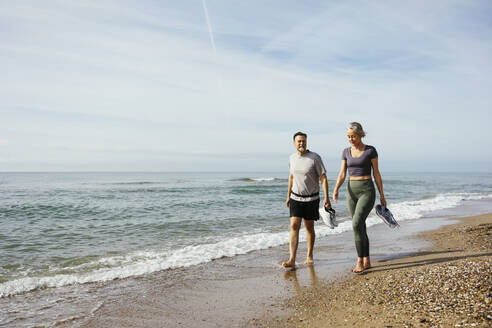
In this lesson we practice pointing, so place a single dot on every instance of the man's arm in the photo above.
(324, 184)
(289, 189)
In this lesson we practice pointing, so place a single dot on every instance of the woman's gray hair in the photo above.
(357, 127)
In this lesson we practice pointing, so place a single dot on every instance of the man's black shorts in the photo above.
(306, 210)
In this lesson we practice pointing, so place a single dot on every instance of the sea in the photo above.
(59, 230)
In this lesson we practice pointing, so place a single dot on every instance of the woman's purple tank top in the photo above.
(360, 166)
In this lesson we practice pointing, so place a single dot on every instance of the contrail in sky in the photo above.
(219, 88)
(209, 26)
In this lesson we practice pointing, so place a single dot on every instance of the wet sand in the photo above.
(447, 285)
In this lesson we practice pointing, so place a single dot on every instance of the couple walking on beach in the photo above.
(306, 172)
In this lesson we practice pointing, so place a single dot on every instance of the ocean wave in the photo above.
(146, 262)
(256, 189)
(155, 189)
(244, 191)
(410, 210)
(266, 179)
(130, 183)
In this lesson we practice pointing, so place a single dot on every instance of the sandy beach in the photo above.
(446, 285)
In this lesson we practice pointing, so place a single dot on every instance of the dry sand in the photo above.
(447, 285)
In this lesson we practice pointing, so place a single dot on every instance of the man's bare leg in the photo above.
(295, 225)
(310, 238)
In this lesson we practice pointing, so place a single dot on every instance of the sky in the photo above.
(216, 85)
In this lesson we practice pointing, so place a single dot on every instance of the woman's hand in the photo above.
(341, 178)
(335, 195)
(382, 200)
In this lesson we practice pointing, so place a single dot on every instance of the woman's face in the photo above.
(353, 137)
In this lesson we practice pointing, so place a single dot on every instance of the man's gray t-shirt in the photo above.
(306, 170)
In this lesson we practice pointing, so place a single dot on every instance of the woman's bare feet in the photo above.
(366, 263)
(359, 268)
(309, 261)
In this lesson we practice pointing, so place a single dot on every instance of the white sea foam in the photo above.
(145, 262)
(410, 210)
(262, 179)
(140, 263)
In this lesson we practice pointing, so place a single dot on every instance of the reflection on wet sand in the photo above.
(292, 276)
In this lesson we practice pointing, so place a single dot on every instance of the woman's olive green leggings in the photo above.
(360, 198)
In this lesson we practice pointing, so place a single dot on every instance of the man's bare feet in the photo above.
(289, 264)
(309, 261)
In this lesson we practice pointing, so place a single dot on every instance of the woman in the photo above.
(359, 159)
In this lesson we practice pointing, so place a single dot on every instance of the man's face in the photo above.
(301, 144)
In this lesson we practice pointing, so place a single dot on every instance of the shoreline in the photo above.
(241, 291)
(230, 291)
(446, 284)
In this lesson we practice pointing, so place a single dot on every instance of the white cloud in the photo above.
(114, 82)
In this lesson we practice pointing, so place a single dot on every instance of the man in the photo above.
(306, 170)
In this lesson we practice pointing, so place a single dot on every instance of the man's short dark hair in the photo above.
(299, 134)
